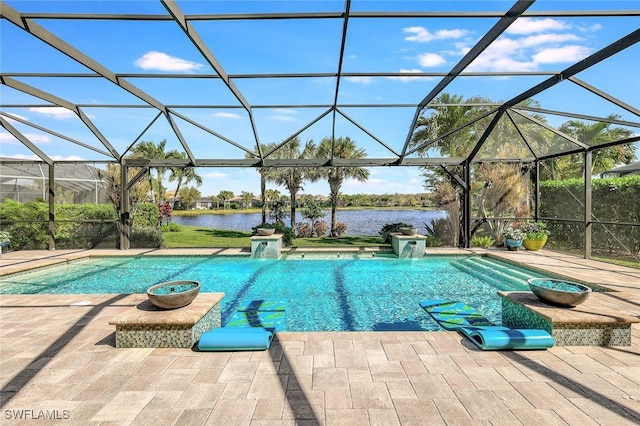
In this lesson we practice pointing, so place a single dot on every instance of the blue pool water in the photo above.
(351, 292)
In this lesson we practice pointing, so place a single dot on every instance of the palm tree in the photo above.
(292, 178)
(225, 196)
(184, 175)
(264, 177)
(149, 150)
(272, 195)
(246, 199)
(598, 133)
(340, 148)
(444, 119)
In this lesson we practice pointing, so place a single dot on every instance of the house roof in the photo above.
(627, 169)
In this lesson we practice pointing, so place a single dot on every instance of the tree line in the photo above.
(499, 189)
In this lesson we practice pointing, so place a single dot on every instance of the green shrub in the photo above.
(72, 233)
(432, 241)
(287, 233)
(170, 227)
(26, 223)
(146, 216)
(146, 238)
(613, 200)
(482, 241)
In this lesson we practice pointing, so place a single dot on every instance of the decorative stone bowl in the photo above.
(559, 292)
(173, 294)
(265, 231)
(409, 231)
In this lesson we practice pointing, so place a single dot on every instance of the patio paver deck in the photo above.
(59, 359)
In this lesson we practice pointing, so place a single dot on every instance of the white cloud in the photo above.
(531, 25)
(163, 62)
(561, 54)
(215, 175)
(34, 157)
(529, 52)
(33, 137)
(285, 111)
(8, 138)
(590, 29)
(409, 77)
(423, 35)
(430, 60)
(360, 80)
(541, 39)
(226, 115)
(68, 158)
(58, 113)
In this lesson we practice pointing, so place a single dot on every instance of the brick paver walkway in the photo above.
(59, 359)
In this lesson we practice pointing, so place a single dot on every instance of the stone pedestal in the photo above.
(266, 246)
(592, 323)
(408, 246)
(146, 326)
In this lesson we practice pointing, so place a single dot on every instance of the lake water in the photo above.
(359, 222)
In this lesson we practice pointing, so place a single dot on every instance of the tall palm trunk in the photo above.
(263, 192)
(293, 209)
(335, 181)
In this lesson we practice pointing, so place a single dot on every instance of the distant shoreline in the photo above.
(254, 211)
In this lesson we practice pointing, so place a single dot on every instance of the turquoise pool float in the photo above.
(251, 328)
(451, 315)
(458, 316)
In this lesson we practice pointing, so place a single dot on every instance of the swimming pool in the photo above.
(352, 292)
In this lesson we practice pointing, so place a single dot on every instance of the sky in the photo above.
(403, 45)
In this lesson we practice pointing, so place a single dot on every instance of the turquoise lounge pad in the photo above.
(497, 338)
(270, 320)
(262, 305)
(452, 315)
(235, 339)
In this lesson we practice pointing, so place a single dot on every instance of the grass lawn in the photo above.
(196, 237)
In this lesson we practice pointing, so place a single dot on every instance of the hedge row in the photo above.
(613, 200)
(27, 225)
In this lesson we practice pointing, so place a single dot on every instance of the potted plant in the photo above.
(536, 235)
(409, 230)
(513, 237)
(265, 229)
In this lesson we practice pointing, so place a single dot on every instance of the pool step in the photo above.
(500, 284)
(509, 270)
(498, 275)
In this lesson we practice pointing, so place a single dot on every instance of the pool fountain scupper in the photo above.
(408, 246)
(266, 247)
